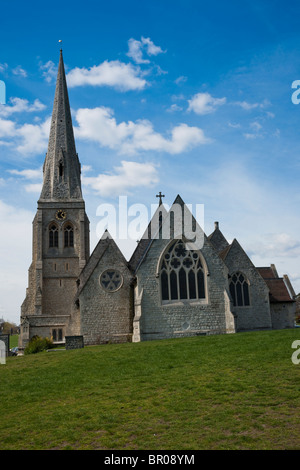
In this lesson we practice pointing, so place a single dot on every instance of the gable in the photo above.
(105, 244)
(164, 226)
(217, 239)
(236, 258)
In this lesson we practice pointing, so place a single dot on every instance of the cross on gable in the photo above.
(160, 197)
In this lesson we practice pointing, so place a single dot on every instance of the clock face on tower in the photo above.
(61, 214)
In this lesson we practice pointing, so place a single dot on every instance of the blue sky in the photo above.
(188, 97)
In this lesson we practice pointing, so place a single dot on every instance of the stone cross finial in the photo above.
(160, 196)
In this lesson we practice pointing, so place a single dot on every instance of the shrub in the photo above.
(38, 344)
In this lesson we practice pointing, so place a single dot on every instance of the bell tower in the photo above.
(60, 232)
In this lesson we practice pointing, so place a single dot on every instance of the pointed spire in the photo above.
(61, 167)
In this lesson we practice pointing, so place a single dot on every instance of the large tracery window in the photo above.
(239, 290)
(181, 274)
(68, 236)
(53, 236)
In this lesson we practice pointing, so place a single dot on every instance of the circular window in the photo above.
(111, 280)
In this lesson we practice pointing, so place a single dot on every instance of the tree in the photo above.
(8, 328)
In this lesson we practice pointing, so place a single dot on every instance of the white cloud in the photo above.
(181, 79)
(250, 136)
(255, 125)
(278, 245)
(34, 137)
(27, 138)
(248, 106)
(174, 107)
(204, 103)
(115, 74)
(255, 133)
(15, 234)
(29, 173)
(7, 128)
(100, 125)
(137, 48)
(3, 67)
(34, 188)
(125, 177)
(234, 125)
(19, 105)
(49, 70)
(19, 71)
(135, 51)
(152, 49)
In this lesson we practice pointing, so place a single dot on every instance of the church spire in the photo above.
(61, 167)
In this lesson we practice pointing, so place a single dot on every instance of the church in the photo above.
(169, 288)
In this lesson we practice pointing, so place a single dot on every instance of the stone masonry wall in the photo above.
(257, 315)
(283, 315)
(182, 318)
(107, 316)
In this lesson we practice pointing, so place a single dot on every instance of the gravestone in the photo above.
(74, 342)
(5, 339)
(2, 352)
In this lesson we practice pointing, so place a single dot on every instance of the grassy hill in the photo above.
(237, 391)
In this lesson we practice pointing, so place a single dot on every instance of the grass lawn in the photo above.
(13, 341)
(238, 391)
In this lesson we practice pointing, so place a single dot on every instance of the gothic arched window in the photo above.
(68, 236)
(239, 290)
(182, 274)
(53, 236)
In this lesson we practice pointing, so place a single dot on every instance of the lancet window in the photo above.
(68, 236)
(53, 236)
(239, 290)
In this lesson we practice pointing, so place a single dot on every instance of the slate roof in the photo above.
(278, 289)
(217, 239)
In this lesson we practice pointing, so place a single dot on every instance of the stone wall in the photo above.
(257, 314)
(183, 318)
(54, 271)
(283, 315)
(107, 316)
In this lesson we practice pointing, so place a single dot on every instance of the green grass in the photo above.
(13, 341)
(237, 391)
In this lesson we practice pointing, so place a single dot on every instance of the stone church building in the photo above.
(167, 289)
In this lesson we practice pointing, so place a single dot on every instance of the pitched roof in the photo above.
(157, 222)
(217, 239)
(277, 286)
(278, 290)
(268, 272)
(146, 240)
(224, 252)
